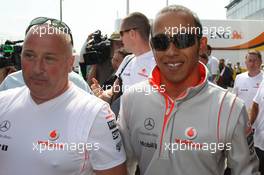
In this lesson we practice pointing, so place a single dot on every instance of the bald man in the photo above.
(52, 125)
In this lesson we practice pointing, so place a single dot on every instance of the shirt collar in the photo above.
(155, 80)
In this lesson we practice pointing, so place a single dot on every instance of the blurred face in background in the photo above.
(117, 60)
(253, 63)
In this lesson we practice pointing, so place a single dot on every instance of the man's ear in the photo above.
(133, 33)
(70, 62)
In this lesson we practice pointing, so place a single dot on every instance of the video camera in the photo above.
(97, 50)
(10, 54)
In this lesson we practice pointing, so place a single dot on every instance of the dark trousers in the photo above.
(260, 154)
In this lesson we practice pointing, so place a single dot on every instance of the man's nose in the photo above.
(39, 66)
(172, 50)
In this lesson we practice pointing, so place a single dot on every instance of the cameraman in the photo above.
(102, 70)
(95, 71)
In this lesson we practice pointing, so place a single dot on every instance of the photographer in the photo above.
(95, 71)
(96, 56)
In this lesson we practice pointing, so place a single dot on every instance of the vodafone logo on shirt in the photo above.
(143, 72)
(190, 133)
(53, 135)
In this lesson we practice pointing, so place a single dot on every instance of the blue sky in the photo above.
(86, 16)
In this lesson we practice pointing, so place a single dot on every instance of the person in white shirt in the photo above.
(213, 63)
(257, 119)
(134, 31)
(15, 79)
(247, 83)
(50, 126)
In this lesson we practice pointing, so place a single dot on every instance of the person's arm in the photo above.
(123, 126)
(91, 74)
(107, 95)
(254, 112)
(109, 157)
(242, 158)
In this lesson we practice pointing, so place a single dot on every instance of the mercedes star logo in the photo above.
(149, 124)
(5, 125)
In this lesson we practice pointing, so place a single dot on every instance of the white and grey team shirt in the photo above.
(72, 134)
(207, 118)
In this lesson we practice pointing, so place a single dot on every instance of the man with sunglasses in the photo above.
(50, 126)
(185, 125)
(134, 31)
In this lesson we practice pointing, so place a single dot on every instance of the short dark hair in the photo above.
(178, 8)
(254, 52)
(139, 22)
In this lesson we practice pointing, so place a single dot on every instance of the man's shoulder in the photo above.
(13, 92)
(128, 57)
(14, 80)
(221, 94)
(243, 74)
(16, 75)
(85, 98)
(124, 63)
(11, 96)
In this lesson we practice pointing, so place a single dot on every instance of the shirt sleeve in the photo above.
(123, 126)
(105, 135)
(242, 158)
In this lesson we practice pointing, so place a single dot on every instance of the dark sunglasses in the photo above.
(124, 31)
(54, 22)
(161, 42)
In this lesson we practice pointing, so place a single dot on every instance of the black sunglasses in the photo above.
(53, 22)
(161, 42)
(124, 31)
